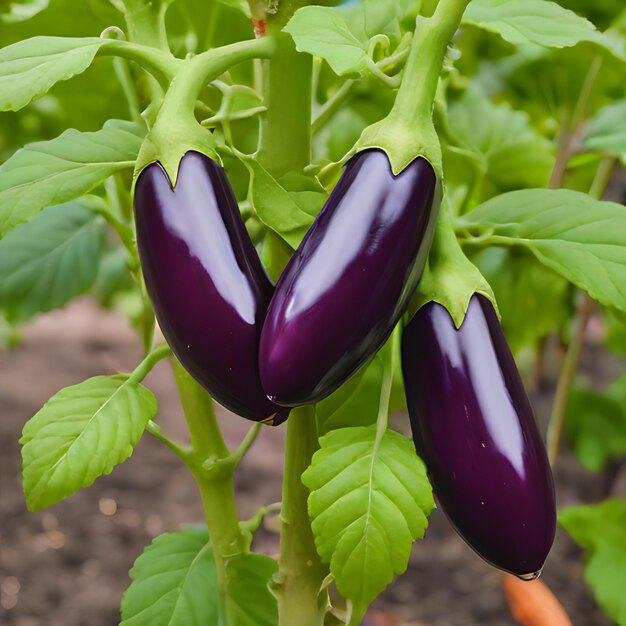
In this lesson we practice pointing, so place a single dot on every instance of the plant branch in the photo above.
(128, 87)
(566, 378)
(182, 452)
(145, 367)
(568, 135)
(602, 178)
(237, 456)
(574, 350)
(162, 65)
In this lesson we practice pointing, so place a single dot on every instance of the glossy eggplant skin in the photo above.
(350, 279)
(206, 282)
(474, 428)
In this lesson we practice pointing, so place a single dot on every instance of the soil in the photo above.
(67, 565)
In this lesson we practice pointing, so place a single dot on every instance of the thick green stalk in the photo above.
(300, 602)
(214, 479)
(286, 127)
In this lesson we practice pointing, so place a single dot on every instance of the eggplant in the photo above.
(474, 427)
(206, 282)
(350, 280)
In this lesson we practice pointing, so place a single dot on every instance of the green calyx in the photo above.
(401, 145)
(168, 141)
(449, 278)
(176, 130)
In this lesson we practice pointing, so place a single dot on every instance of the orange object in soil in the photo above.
(533, 604)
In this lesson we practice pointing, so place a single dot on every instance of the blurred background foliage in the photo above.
(511, 116)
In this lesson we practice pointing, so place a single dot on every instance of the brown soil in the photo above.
(67, 566)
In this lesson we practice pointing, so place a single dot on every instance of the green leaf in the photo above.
(52, 172)
(29, 68)
(525, 290)
(601, 12)
(324, 32)
(615, 323)
(548, 83)
(174, 582)
(49, 260)
(250, 601)
(606, 132)
(369, 18)
(617, 392)
(582, 239)
(275, 253)
(113, 277)
(355, 403)
(20, 10)
(599, 529)
(509, 151)
(540, 22)
(306, 191)
(366, 505)
(596, 426)
(81, 433)
(274, 205)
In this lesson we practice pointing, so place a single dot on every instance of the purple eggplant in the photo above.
(206, 282)
(474, 428)
(350, 280)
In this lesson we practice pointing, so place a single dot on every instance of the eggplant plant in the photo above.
(323, 212)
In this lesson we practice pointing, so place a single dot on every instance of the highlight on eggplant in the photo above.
(474, 427)
(350, 280)
(206, 282)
